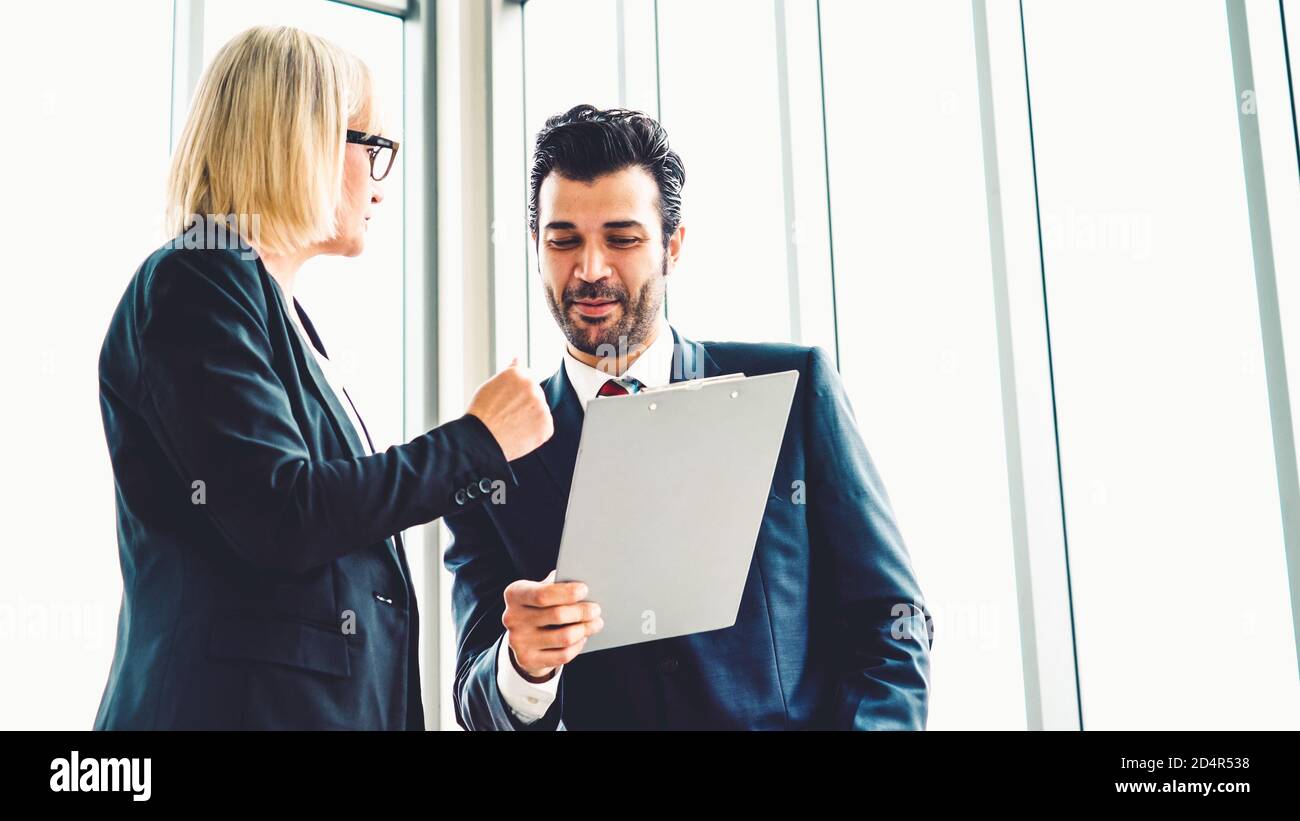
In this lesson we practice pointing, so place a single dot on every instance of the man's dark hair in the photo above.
(584, 143)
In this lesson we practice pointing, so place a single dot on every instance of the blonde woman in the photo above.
(265, 580)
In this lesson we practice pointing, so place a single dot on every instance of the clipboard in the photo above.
(669, 491)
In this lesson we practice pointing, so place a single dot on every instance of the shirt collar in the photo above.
(653, 368)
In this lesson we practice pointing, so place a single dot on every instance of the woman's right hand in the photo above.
(514, 409)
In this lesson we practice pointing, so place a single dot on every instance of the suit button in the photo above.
(485, 485)
(461, 497)
(668, 665)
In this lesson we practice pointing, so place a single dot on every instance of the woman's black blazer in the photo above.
(265, 584)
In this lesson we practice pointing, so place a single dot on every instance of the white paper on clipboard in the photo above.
(669, 491)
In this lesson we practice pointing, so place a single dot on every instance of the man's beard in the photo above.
(638, 316)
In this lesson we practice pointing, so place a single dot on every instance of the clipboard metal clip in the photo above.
(691, 384)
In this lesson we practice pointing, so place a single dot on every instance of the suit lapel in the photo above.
(559, 454)
(691, 360)
(338, 415)
(343, 427)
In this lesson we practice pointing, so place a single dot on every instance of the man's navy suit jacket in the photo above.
(832, 630)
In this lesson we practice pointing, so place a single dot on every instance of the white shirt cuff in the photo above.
(528, 701)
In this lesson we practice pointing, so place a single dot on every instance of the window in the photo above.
(88, 195)
(1171, 497)
(917, 336)
(731, 281)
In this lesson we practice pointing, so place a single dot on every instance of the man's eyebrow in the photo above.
(568, 226)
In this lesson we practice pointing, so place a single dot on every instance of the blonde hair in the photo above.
(265, 137)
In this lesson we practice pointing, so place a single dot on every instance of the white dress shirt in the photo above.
(653, 368)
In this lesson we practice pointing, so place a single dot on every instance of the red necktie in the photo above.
(614, 387)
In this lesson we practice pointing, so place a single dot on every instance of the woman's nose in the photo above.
(376, 193)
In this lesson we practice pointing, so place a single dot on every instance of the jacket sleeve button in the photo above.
(485, 485)
(461, 497)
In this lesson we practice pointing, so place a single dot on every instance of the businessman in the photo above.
(832, 630)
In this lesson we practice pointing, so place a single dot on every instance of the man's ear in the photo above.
(674, 249)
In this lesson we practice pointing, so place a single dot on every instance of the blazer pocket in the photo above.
(280, 640)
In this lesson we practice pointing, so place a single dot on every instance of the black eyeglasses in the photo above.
(382, 152)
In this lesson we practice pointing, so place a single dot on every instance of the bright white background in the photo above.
(86, 143)
(1179, 578)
